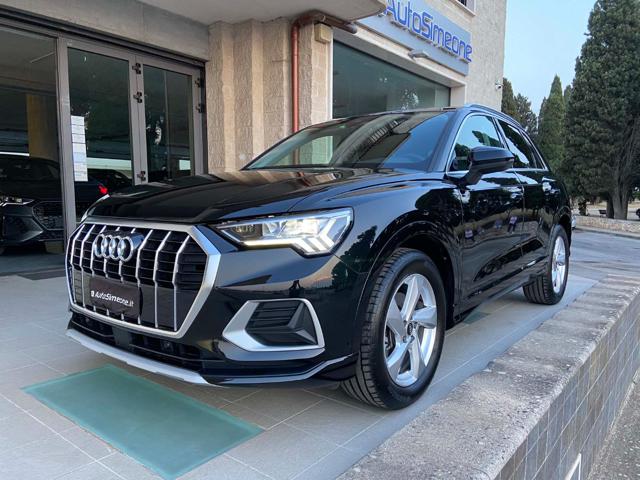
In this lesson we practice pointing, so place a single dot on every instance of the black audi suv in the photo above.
(339, 255)
(31, 200)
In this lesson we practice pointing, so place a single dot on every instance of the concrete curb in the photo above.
(544, 405)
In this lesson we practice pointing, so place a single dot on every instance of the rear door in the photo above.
(493, 214)
(539, 190)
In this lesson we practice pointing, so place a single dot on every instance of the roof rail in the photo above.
(488, 109)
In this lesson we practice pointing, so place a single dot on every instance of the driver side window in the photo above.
(476, 131)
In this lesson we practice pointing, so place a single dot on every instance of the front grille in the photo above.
(168, 268)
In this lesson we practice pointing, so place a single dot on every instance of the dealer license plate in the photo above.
(114, 296)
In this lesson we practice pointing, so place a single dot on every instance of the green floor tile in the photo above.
(167, 431)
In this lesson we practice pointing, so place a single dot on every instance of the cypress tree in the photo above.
(603, 114)
(551, 129)
(525, 116)
(508, 100)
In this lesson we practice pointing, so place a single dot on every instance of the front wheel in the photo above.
(402, 334)
(548, 288)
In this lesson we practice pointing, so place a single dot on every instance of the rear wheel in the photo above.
(548, 288)
(1, 250)
(402, 334)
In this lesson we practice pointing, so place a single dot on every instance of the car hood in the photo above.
(227, 195)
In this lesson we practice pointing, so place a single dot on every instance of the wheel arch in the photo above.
(434, 242)
(564, 220)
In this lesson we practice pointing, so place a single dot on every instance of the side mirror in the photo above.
(485, 160)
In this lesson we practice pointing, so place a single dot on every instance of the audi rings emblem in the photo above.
(118, 246)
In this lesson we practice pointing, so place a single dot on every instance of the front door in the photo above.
(492, 213)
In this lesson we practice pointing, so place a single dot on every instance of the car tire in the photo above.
(2, 250)
(549, 288)
(383, 378)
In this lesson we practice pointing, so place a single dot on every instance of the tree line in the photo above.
(590, 132)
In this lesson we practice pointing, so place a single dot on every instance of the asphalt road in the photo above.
(594, 255)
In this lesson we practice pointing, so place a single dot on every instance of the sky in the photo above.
(543, 39)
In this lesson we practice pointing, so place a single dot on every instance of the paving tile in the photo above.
(333, 421)
(88, 442)
(25, 331)
(223, 468)
(257, 418)
(79, 362)
(279, 403)
(51, 418)
(20, 398)
(282, 452)
(93, 471)
(210, 396)
(7, 409)
(13, 360)
(55, 350)
(331, 466)
(44, 459)
(233, 394)
(128, 468)
(26, 376)
(340, 396)
(19, 430)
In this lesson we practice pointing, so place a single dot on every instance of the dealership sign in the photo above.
(426, 32)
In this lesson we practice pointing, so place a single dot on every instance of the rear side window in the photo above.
(525, 156)
(476, 131)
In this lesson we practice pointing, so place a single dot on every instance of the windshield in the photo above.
(393, 140)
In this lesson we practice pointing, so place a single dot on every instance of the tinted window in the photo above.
(476, 131)
(395, 140)
(365, 84)
(518, 145)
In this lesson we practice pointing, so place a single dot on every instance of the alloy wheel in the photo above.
(410, 329)
(558, 265)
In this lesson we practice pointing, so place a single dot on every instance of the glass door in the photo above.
(129, 119)
(169, 119)
(102, 115)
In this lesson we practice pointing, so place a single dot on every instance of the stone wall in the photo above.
(249, 87)
(536, 412)
(609, 224)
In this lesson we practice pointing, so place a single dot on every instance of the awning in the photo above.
(211, 11)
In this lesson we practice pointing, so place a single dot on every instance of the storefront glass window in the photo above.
(365, 84)
(31, 221)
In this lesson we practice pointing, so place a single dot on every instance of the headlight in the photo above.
(311, 234)
(12, 200)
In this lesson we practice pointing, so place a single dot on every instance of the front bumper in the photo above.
(206, 348)
(33, 223)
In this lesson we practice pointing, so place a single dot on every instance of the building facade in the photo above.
(110, 93)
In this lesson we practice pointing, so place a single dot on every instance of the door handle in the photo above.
(142, 176)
